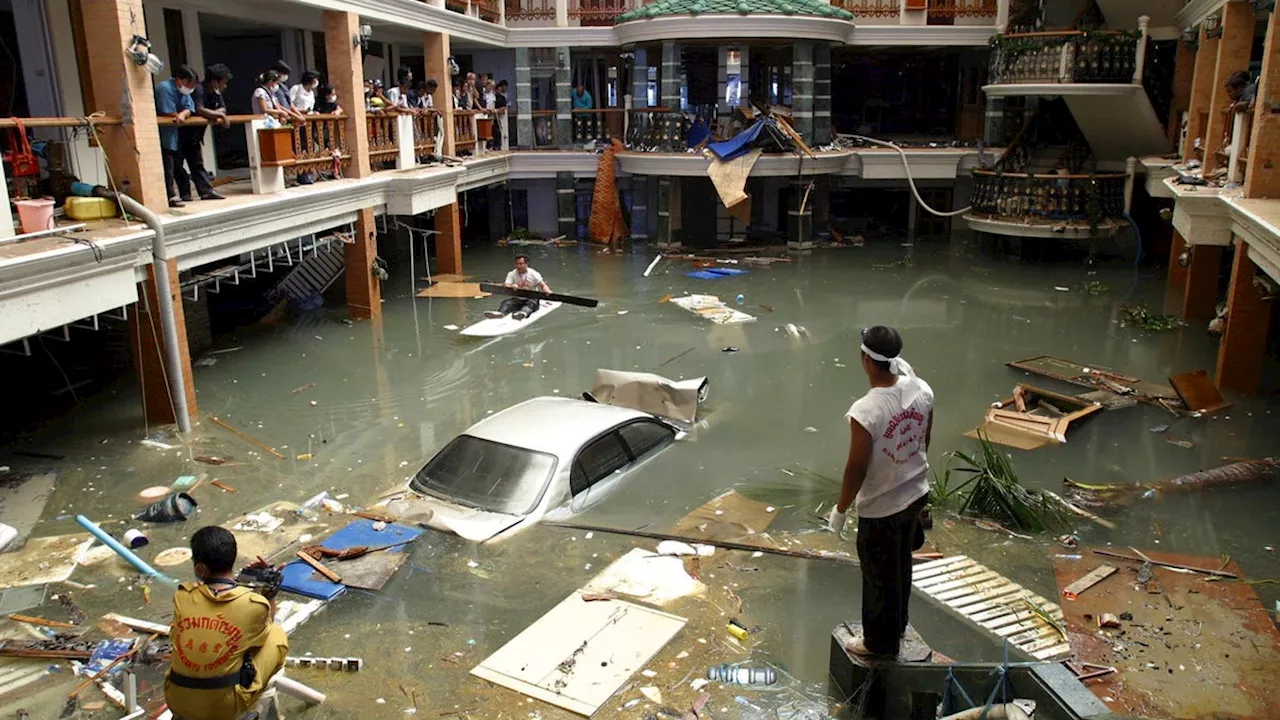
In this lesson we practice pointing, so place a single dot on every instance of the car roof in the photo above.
(554, 425)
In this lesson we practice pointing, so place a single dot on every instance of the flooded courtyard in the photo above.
(382, 397)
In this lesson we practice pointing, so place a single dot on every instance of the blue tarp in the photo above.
(302, 579)
(738, 144)
(704, 275)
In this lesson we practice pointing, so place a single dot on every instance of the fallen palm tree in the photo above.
(1238, 473)
(993, 491)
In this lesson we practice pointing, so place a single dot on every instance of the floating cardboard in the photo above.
(711, 308)
(42, 560)
(1194, 648)
(995, 603)
(1198, 392)
(646, 576)
(22, 501)
(730, 517)
(580, 653)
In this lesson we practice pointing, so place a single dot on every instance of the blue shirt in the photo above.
(169, 101)
(583, 101)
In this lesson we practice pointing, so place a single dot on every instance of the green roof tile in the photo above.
(664, 8)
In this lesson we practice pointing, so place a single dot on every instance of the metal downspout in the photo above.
(168, 322)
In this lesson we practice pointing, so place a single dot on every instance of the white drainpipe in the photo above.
(1141, 58)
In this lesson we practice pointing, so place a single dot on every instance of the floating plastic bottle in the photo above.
(741, 298)
(742, 675)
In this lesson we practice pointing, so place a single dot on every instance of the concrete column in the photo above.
(497, 202)
(1177, 279)
(675, 211)
(564, 103)
(670, 75)
(640, 207)
(146, 341)
(820, 199)
(822, 94)
(121, 88)
(364, 291)
(1200, 294)
(799, 215)
(913, 216)
(524, 99)
(1262, 175)
(744, 75)
(1234, 50)
(640, 79)
(1243, 349)
(1202, 75)
(448, 239)
(802, 89)
(664, 212)
(435, 63)
(1184, 69)
(346, 72)
(722, 81)
(993, 131)
(566, 210)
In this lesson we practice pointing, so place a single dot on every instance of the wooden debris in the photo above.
(30, 620)
(1206, 571)
(1198, 392)
(677, 357)
(304, 388)
(1234, 474)
(319, 567)
(139, 625)
(222, 486)
(1095, 576)
(1040, 417)
(244, 436)
(210, 460)
(52, 649)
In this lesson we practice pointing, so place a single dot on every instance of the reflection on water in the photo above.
(388, 394)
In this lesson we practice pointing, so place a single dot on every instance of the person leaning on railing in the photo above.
(173, 99)
(264, 97)
(211, 106)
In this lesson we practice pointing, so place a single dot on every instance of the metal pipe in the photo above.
(168, 322)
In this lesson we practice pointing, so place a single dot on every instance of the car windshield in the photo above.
(487, 475)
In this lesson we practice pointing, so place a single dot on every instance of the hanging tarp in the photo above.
(606, 224)
(738, 144)
(730, 179)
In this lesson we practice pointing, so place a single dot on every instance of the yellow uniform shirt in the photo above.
(211, 635)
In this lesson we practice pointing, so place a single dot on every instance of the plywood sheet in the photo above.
(22, 501)
(1198, 392)
(1074, 373)
(42, 560)
(729, 516)
(453, 290)
(580, 653)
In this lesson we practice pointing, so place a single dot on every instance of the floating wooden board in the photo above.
(1198, 392)
(1034, 428)
(712, 308)
(453, 290)
(579, 654)
(993, 602)
(730, 516)
(1074, 373)
(1094, 576)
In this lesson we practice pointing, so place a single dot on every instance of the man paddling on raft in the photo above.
(522, 278)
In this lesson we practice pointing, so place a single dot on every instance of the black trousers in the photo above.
(176, 180)
(884, 550)
(193, 153)
(516, 304)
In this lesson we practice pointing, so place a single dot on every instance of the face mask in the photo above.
(186, 90)
(284, 78)
(333, 98)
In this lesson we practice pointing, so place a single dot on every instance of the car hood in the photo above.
(468, 523)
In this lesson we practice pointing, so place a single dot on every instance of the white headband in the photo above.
(897, 365)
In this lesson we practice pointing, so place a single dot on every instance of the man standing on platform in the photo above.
(888, 473)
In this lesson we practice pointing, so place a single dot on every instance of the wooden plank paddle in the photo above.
(535, 295)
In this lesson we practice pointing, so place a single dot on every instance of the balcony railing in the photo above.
(1066, 57)
(871, 8)
(596, 12)
(315, 142)
(962, 8)
(544, 128)
(464, 130)
(1023, 197)
(598, 124)
(425, 127)
(485, 9)
(657, 129)
(529, 10)
(1234, 153)
(383, 144)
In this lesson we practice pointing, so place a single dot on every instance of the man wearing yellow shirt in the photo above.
(225, 647)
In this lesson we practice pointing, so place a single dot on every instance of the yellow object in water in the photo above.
(89, 208)
(737, 631)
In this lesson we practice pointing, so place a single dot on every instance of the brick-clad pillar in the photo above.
(822, 94)
(448, 240)
(121, 88)
(566, 206)
(1262, 176)
(669, 76)
(346, 73)
(1243, 349)
(640, 208)
(1234, 50)
(564, 99)
(524, 99)
(1201, 92)
(802, 89)
(146, 341)
(1200, 295)
(364, 290)
(640, 79)
(1184, 67)
(1177, 279)
(435, 64)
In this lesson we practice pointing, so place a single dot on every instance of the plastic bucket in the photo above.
(35, 215)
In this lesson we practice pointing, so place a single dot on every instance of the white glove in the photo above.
(837, 520)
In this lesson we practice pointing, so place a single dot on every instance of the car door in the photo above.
(601, 464)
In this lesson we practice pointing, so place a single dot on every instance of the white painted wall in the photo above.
(86, 162)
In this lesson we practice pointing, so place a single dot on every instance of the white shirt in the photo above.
(302, 99)
(261, 92)
(896, 418)
(530, 280)
(397, 98)
(488, 99)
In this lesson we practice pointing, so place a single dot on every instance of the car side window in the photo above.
(644, 436)
(599, 459)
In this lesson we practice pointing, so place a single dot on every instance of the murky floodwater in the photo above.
(387, 395)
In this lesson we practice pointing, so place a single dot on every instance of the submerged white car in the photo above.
(546, 458)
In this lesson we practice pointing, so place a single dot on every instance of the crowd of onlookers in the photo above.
(184, 95)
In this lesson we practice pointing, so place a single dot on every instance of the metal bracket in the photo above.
(26, 348)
